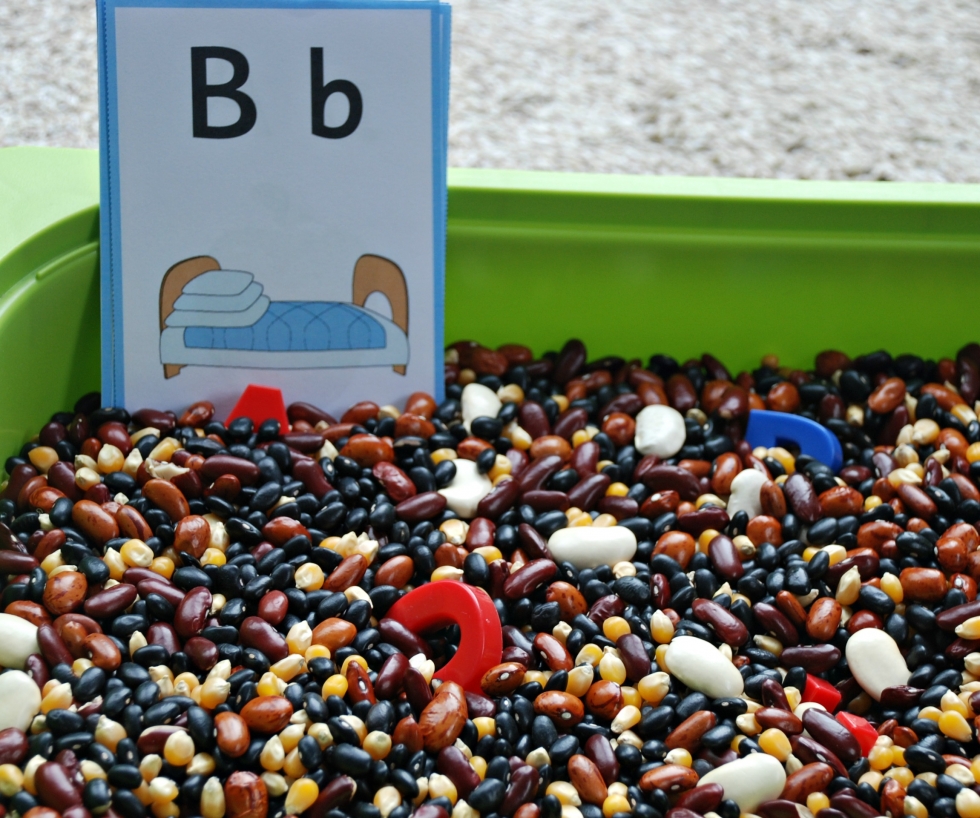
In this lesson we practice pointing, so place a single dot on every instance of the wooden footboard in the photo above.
(375, 274)
(174, 281)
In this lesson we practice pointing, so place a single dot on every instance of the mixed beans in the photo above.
(195, 614)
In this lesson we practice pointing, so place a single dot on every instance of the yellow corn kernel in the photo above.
(679, 756)
(273, 755)
(485, 726)
(631, 696)
(931, 713)
(443, 454)
(872, 777)
(617, 490)
(441, 787)
(582, 520)
(290, 667)
(626, 718)
(336, 685)
(363, 663)
(605, 521)
(661, 628)
(165, 809)
(615, 803)
(44, 457)
(953, 724)
(501, 466)
(580, 679)
(590, 654)
(52, 561)
(849, 587)
(212, 556)
(950, 701)
(784, 458)
(179, 749)
(114, 562)
(110, 459)
(915, 808)
(387, 799)
(871, 502)
(90, 770)
(817, 801)
(961, 774)
(810, 553)
(377, 744)
(891, 585)
(880, 758)
(292, 766)
(447, 572)
(268, 684)
(479, 763)
(612, 669)
(358, 725)
(898, 756)
(967, 803)
(290, 736)
(79, 666)
(212, 799)
(579, 437)
(309, 577)
(163, 790)
(774, 742)
(164, 566)
(661, 656)
(903, 775)
(201, 764)
(214, 691)
(565, 793)
(11, 778)
(614, 627)
(746, 722)
(164, 450)
(136, 554)
(316, 652)
(58, 699)
(970, 629)
(321, 733)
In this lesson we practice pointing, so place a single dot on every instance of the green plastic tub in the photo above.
(632, 265)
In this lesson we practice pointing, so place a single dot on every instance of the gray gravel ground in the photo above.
(860, 89)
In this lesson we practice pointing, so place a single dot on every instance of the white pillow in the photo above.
(219, 282)
(196, 318)
(220, 303)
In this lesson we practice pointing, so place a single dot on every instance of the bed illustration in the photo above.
(215, 317)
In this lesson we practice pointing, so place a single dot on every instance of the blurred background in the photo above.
(813, 89)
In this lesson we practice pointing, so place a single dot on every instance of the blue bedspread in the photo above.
(310, 326)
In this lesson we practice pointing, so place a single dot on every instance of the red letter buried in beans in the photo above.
(821, 692)
(865, 734)
(439, 604)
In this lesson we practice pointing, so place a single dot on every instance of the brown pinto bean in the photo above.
(94, 521)
(412, 425)
(308, 412)
(231, 734)
(809, 779)
(366, 450)
(725, 558)
(660, 502)
(349, 572)
(552, 652)
(841, 501)
(812, 658)
(917, 501)
(421, 507)
(634, 656)
(246, 796)
(727, 466)
(824, 618)
(359, 687)
(550, 446)
(570, 601)
(620, 427)
(678, 545)
(887, 397)
(951, 554)
(729, 627)
(802, 498)
(390, 677)
(530, 576)
(193, 612)
(167, 497)
(586, 778)
(672, 478)
(132, 524)
(687, 734)
(604, 699)
(453, 555)
(396, 483)
(111, 601)
(65, 592)
(257, 633)
(776, 622)
(50, 542)
(780, 719)
(30, 611)
(396, 571)
(334, 633)
(773, 500)
(55, 787)
(443, 718)
(564, 709)
(923, 584)
(267, 714)
(453, 764)
(832, 734)
(671, 778)
(280, 529)
(764, 529)
(192, 535)
(104, 652)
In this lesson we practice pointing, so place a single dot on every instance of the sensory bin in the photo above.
(573, 589)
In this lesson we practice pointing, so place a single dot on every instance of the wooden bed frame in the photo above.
(372, 274)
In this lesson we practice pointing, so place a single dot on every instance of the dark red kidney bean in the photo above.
(359, 687)
(79, 429)
(884, 463)
(634, 657)
(52, 434)
(516, 654)
(951, 618)
(729, 627)
(600, 752)
(169, 592)
(781, 719)
(397, 484)
(552, 652)
(430, 811)
(37, 669)
(478, 705)
(622, 508)
(190, 484)
(163, 634)
(534, 544)
(523, 785)
(111, 601)
(9, 541)
(395, 633)
(672, 478)
(569, 362)
(218, 464)
(12, 562)
(810, 751)
(832, 734)
(311, 473)
(499, 571)
(541, 500)
(164, 421)
(659, 591)
(917, 501)
(499, 500)
(775, 621)
(702, 800)
(62, 477)
(13, 746)
(273, 607)
(528, 577)
(533, 419)
(257, 633)
(456, 767)
(570, 421)
(305, 442)
(812, 658)
(18, 477)
(904, 696)
(308, 412)
(337, 793)
(604, 607)
(481, 533)
(390, 677)
(867, 565)
(421, 507)
(849, 805)
(53, 648)
(136, 575)
(681, 393)
(202, 652)
(540, 470)
(854, 474)
(778, 808)
(588, 491)
(55, 787)
(773, 695)
(193, 611)
(629, 404)
(802, 498)
(701, 520)
(115, 434)
(725, 558)
(152, 739)
(417, 689)
(584, 459)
